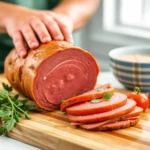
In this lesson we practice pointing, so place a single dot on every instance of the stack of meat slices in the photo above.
(116, 113)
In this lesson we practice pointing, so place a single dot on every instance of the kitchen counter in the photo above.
(7, 143)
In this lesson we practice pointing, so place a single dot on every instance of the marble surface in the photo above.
(7, 143)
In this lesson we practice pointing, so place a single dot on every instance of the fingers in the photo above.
(41, 30)
(66, 28)
(66, 31)
(52, 27)
(19, 44)
(29, 36)
(45, 27)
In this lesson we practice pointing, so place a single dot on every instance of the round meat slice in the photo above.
(127, 108)
(86, 108)
(136, 112)
(97, 93)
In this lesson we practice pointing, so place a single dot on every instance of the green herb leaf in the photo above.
(2, 130)
(24, 101)
(10, 124)
(2, 95)
(107, 96)
(6, 118)
(19, 114)
(11, 109)
(15, 98)
(28, 107)
(7, 87)
(5, 113)
(96, 100)
(27, 116)
(2, 113)
(17, 118)
(19, 103)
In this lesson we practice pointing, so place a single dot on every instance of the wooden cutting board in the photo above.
(52, 130)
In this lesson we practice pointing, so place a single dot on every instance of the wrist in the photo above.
(9, 12)
(68, 19)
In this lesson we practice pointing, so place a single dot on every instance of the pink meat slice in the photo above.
(86, 108)
(97, 93)
(97, 126)
(118, 125)
(127, 108)
(135, 114)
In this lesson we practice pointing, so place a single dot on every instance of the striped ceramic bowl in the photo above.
(131, 74)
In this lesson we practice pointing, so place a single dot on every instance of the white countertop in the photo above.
(7, 143)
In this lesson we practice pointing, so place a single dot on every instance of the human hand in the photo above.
(31, 25)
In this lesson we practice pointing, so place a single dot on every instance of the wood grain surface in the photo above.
(52, 131)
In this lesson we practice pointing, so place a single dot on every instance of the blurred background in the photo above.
(116, 23)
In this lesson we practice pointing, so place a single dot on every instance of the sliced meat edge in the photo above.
(86, 108)
(127, 108)
(93, 94)
(135, 114)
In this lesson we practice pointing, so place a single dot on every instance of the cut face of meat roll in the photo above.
(51, 73)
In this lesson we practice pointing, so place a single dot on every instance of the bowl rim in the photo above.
(110, 54)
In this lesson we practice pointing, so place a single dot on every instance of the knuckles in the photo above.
(24, 25)
(31, 18)
(36, 24)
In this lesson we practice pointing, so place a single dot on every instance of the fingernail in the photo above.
(70, 40)
(46, 39)
(22, 54)
(59, 37)
(34, 45)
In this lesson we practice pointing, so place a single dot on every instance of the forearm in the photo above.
(78, 10)
(33, 26)
(6, 11)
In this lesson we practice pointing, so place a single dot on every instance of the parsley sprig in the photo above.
(107, 96)
(96, 101)
(11, 109)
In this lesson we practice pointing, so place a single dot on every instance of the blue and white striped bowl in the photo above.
(131, 74)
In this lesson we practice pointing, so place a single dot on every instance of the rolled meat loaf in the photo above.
(53, 72)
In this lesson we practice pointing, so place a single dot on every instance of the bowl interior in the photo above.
(131, 50)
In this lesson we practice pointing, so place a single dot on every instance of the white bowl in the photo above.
(131, 74)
